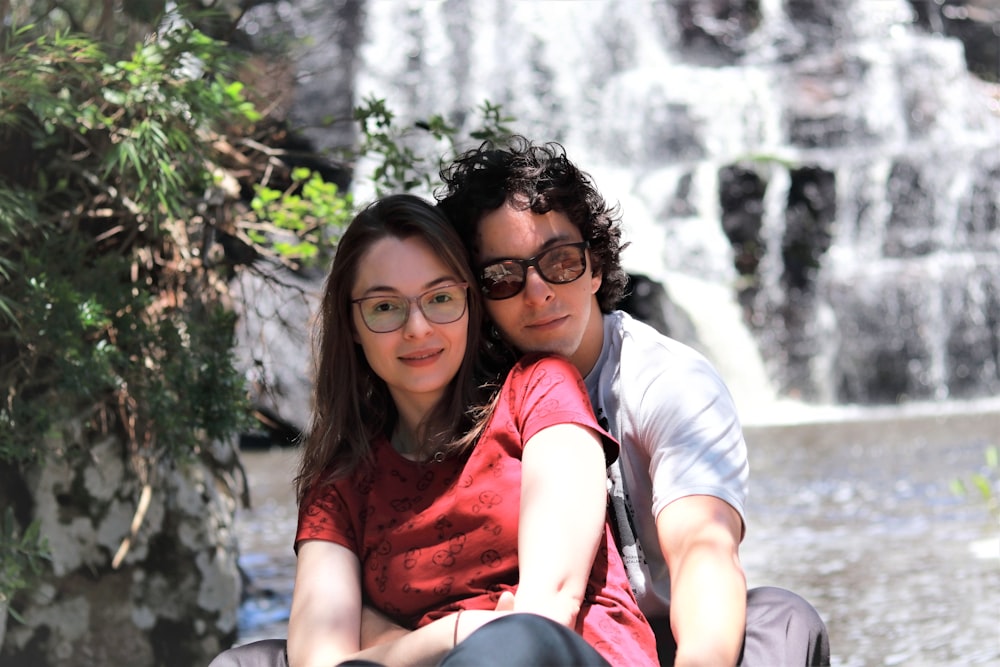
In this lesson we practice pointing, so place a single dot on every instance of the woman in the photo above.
(424, 509)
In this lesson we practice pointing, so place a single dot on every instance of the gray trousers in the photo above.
(783, 630)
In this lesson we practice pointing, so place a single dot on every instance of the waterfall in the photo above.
(815, 181)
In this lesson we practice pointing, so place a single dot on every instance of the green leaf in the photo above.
(301, 174)
(993, 456)
(982, 483)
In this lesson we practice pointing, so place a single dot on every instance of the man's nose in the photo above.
(536, 289)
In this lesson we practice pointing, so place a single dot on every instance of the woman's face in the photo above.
(419, 359)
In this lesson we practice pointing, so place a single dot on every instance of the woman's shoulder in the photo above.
(542, 371)
(533, 361)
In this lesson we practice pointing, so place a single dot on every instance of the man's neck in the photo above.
(589, 350)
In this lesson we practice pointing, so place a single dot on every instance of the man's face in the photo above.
(543, 316)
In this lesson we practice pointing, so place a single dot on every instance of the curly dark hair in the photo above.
(539, 177)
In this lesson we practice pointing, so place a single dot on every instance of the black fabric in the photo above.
(526, 640)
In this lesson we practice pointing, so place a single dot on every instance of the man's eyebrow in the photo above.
(558, 239)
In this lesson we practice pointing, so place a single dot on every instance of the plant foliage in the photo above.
(21, 557)
(985, 483)
(110, 304)
(399, 165)
(134, 181)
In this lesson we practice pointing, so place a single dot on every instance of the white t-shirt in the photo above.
(679, 434)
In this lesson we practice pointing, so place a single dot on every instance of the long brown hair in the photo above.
(351, 404)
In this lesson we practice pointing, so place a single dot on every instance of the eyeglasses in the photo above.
(440, 305)
(562, 264)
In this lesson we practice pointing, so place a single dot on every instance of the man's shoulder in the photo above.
(641, 357)
(631, 336)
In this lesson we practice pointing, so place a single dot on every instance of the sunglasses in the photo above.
(440, 305)
(562, 264)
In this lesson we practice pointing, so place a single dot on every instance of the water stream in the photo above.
(828, 163)
(850, 508)
(870, 161)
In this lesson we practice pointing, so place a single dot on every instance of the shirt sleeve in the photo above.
(325, 515)
(706, 454)
(548, 390)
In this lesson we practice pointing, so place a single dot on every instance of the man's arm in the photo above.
(700, 537)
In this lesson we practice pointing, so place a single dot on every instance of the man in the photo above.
(546, 248)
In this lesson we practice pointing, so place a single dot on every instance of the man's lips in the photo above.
(546, 323)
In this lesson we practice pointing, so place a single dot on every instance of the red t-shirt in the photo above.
(434, 538)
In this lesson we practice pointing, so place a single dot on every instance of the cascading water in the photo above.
(817, 183)
(824, 161)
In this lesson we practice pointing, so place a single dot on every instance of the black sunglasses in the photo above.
(504, 278)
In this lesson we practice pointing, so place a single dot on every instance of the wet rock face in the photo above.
(174, 598)
(976, 23)
(712, 32)
(841, 146)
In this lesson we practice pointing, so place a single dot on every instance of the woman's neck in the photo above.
(407, 446)
(405, 442)
(413, 409)
(409, 438)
